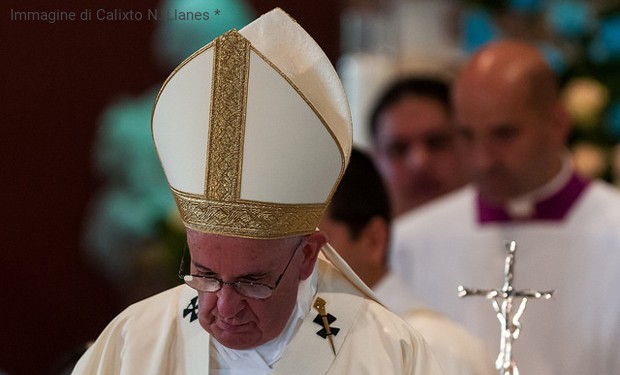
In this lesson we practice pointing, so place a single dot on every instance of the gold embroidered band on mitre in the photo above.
(220, 210)
(247, 218)
(227, 123)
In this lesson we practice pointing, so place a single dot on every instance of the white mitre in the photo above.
(254, 132)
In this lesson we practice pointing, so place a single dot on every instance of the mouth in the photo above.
(234, 328)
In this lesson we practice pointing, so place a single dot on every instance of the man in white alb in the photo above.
(357, 222)
(513, 130)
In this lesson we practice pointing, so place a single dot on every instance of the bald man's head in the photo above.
(512, 66)
(508, 112)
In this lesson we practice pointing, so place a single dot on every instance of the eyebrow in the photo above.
(255, 275)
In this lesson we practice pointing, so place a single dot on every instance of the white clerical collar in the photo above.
(261, 359)
(524, 206)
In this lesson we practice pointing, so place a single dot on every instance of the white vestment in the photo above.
(443, 245)
(457, 350)
(156, 336)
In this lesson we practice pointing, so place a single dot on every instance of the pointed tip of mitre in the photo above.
(301, 59)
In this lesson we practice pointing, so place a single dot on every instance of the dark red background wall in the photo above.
(55, 81)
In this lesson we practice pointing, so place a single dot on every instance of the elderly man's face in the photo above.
(236, 321)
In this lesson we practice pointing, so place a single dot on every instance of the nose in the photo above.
(417, 157)
(483, 157)
(229, 301)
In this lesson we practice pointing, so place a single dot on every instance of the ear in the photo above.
(561, 122)
(311, 250)
(375, 236)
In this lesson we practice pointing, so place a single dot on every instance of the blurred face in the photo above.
(510, 147)
(236, 321)
(415, 152)
(340, 238)
(366, 252)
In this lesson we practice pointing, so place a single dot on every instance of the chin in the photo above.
(237, 341)
(246, 336)
(238, 344)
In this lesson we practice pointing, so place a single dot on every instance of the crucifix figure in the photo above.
(504, 300)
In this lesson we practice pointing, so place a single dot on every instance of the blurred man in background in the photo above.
(358, 225)
(514, 130)
(414, 144)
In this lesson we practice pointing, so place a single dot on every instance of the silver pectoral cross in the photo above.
(503, 301)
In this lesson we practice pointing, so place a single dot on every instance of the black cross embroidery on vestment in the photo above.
(192, 309)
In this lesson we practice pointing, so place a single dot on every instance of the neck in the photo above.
(552, 181)
(552, 201)
(373, 275)
(559, 176)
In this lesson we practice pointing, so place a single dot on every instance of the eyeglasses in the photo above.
(248, 289)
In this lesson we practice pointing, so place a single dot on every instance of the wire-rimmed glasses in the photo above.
(248, 289)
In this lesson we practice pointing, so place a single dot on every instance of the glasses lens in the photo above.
(212, 285)
(203, 284)
(253, 290)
